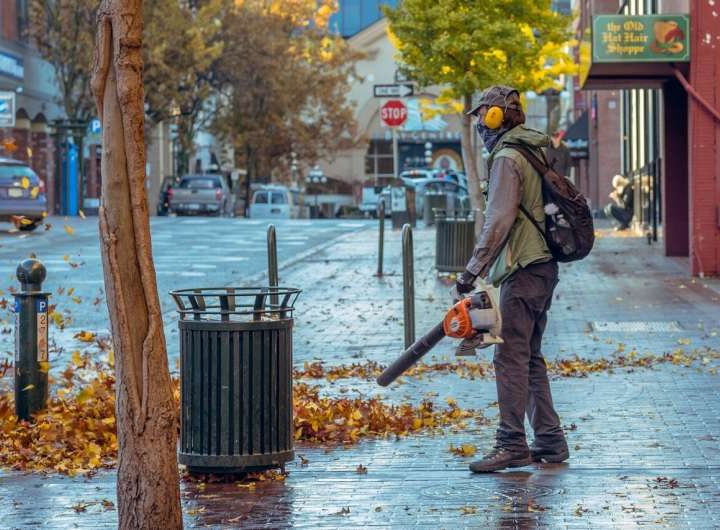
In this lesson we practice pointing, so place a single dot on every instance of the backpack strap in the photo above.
(541, 166)
(533, 221)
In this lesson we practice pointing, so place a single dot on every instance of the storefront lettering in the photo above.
(640, 38)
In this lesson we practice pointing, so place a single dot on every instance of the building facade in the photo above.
(660, 62)
(29, 96)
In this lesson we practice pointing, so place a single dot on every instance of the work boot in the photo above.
(555, 456)
(500, 458)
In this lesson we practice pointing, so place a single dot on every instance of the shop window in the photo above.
(379, 159)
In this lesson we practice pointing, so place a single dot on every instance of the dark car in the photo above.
(22, 195)
(163, 205)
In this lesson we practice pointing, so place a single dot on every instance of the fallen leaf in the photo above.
(69, 229)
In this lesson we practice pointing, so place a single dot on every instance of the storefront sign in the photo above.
(7, 109)
(12, 66)
(641, 38)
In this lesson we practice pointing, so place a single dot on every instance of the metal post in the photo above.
(396, 170)
(408, 285)
(272, 262)
(31, 340)
(381, 235)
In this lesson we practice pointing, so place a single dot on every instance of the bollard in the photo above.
(408, 286)
(273, 278)
(31, 340)
(381, 236)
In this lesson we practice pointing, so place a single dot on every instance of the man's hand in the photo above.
(464, 283)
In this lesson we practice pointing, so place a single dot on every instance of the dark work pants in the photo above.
(522, 382)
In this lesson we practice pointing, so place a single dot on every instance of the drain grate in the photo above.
(640, 326)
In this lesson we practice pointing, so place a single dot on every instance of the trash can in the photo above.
(431, 201)
(454, 239)
(235, 378)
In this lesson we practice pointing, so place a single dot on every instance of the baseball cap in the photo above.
(499, 95)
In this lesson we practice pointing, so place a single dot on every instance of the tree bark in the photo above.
(147, 416)
(477, 201)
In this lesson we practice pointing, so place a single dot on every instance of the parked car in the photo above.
(274, 202)
(22, 195)
(163, 205)
(195, 194)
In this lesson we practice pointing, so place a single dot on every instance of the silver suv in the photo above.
(22, 195)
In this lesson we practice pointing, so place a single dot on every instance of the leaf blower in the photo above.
(475, 318)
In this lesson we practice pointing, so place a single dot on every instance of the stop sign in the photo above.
(393, 113)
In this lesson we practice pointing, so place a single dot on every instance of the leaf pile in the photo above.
(76, 434)
(574, 366)
(346, 420)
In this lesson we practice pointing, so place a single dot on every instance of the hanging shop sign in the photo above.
(641, 38)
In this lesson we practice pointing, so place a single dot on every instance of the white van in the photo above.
(273, 202)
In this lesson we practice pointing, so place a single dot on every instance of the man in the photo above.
(558, 155)
(511, 252)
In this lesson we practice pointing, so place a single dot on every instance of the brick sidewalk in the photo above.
(645, 443)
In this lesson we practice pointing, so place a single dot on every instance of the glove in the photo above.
(464, 283)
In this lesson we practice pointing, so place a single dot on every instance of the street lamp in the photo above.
(316, 176)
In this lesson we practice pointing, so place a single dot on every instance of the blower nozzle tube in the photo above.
(412, 355)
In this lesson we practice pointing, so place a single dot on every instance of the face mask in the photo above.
(490, 137)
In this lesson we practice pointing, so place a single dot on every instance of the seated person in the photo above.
(621, 207)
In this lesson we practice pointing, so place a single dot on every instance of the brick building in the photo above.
(652, 78)
(31, 80)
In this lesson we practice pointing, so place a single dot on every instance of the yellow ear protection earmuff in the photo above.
(494, 117)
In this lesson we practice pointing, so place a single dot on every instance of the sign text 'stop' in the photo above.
(393, 113)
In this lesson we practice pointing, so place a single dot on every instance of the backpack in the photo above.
(569, 232)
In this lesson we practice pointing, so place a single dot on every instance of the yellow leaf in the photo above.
(34, 192)
(111, 358)
(44, 366)
(29, 387)
(85, 336)
(25, 221)
(85, 394)
(81, 214)
(66, 258)
(69, 229)
(76, 299)
(71, 291)
(77, 359)
(25, 183)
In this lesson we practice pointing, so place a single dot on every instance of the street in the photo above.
(633, 349)
(188, 251)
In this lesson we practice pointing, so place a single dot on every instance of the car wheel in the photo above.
(28, 227)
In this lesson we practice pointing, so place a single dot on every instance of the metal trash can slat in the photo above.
(236, 379)
(454, 239)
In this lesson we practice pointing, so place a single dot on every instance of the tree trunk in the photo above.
(147, 414)
(477, 200)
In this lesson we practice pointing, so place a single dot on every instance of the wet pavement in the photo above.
(645, 442)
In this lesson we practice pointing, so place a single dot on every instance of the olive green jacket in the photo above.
(509, 240)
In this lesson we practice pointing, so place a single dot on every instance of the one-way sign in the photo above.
(398, 90)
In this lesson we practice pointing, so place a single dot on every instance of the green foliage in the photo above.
(468, 45)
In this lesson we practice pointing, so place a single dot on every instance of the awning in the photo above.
(577, 137)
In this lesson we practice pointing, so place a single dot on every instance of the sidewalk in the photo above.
(645, 442)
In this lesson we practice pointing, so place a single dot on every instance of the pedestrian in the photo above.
(512, 253)
(558, 155)
(621, 209)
